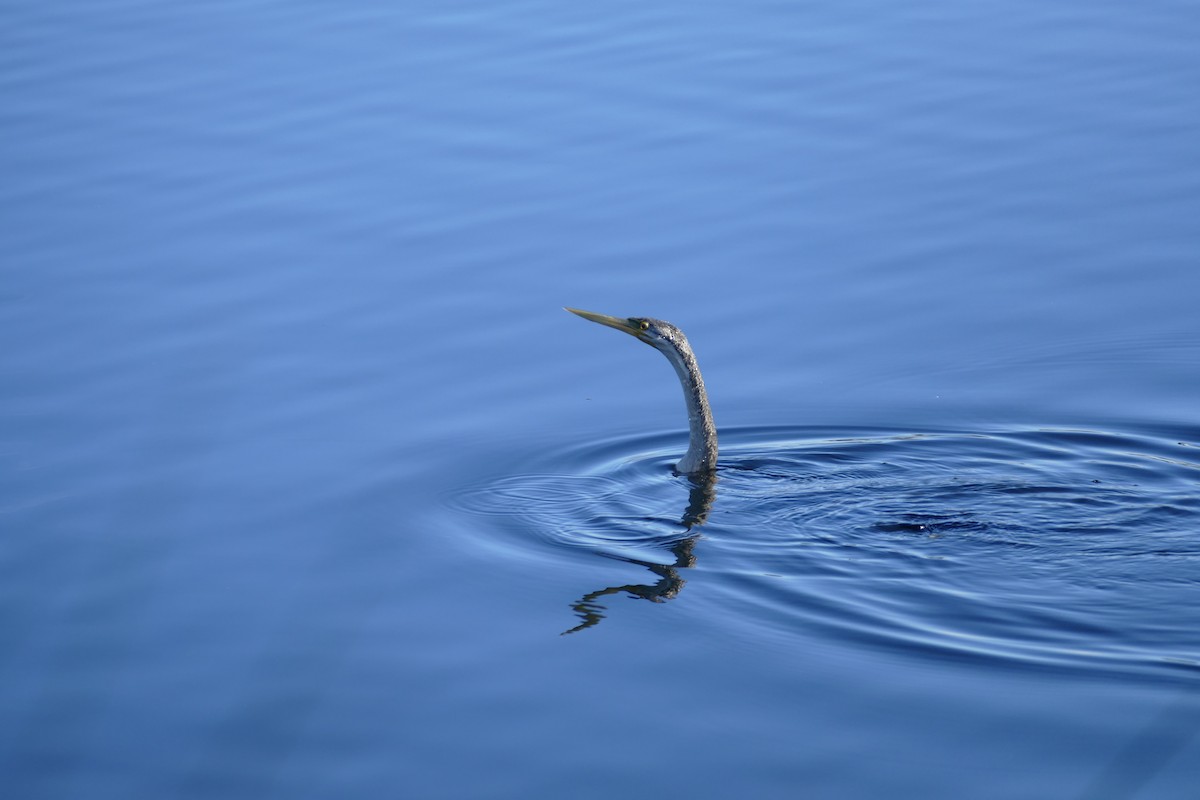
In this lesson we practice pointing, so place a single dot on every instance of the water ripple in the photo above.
(1052, 547)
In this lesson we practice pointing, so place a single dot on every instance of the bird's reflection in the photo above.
(701, 494)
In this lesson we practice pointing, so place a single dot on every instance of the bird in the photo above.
(701, 456)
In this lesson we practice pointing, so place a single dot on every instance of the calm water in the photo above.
(306, 473)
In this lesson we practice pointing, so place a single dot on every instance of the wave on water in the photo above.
(1048, 547)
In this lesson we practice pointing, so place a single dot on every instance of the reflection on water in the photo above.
(700, 499)
(668, 586)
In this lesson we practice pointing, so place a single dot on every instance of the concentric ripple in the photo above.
(617, 498)
(1050, 547)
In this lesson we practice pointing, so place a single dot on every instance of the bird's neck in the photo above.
(702, 442)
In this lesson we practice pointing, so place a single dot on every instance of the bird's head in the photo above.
(664, 337)
(658, 334)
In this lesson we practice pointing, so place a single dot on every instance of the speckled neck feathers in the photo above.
(701, 455)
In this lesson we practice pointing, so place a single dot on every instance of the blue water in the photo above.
(310, 488)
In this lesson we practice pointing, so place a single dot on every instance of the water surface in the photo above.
(306, 473)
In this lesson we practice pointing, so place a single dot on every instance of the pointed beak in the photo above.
(612, 322)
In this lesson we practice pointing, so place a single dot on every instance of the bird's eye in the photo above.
(644, 325)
